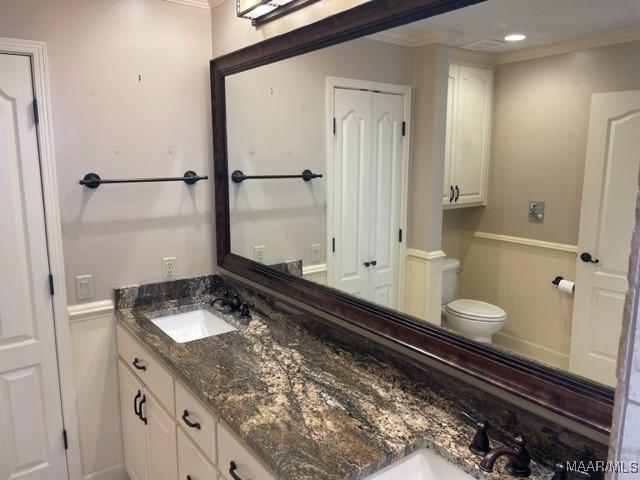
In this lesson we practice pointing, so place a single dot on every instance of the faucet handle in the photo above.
(518, 466)
(560, 472)
(245, 309)
(480, 443)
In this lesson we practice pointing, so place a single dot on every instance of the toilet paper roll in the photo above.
(567, 286)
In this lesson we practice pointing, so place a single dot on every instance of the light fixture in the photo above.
(262, 11)
(515, 37)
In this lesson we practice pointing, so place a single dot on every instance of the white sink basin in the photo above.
(421, 465)
(189, 326)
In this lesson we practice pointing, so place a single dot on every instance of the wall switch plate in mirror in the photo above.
(536, 211)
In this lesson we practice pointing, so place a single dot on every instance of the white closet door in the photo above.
(31, 441)
(386, 173)
(473, 124)
(606, 224)
(351, 195)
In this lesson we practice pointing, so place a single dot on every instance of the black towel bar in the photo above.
(238, 177)
(93, 180)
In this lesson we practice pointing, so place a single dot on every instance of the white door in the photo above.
(31, 428)
(606, 223)
(386, 194)
(473, 127)
(133, 427)
(351, 191)
(162, 456)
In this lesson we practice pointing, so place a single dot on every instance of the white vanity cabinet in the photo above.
(149, 431)
(168, 434)
(468, 136)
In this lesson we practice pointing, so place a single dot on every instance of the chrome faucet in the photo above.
(519, 459)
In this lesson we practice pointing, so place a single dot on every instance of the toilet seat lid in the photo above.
(476, 309)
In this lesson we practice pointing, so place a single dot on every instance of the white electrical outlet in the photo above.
(258, 253)
(169, 268)
(315, 253)
(84, 287)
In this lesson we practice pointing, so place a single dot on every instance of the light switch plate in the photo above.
(84, 287)
(315, 253)
(536, 211)
(258, 253)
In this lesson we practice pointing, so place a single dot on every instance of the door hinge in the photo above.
(66, 441)
(333, 244)
(36, 115)
(335, 128)
(51, 290)
(400, 235)
(404, 128)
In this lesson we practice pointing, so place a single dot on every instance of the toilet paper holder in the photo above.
(556, 281)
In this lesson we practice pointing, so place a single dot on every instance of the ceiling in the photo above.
(545, 22)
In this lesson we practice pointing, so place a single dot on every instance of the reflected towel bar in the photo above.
(93, 180)
(307, 175)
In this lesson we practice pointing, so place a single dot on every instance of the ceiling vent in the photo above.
(486, 46)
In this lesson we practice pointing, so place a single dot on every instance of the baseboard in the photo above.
(117, 472)
(89, 311)
(530, 242)
(532, 350)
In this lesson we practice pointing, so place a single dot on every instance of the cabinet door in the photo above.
(472, 135)
(191, 462)
(133, 428)
(162, 455)
(452, 104)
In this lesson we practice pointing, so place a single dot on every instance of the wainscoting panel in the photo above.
(423, 286)
(96, 376)
(516, 275)
(316, 273)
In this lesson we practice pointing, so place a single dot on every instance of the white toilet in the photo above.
(472, 318)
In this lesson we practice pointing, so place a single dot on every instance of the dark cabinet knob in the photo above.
(367, 264)
(143, 400)
(587, 258)
(138, 364)
(457, 193)
(452, 193)
(232, 470)
(135, 404)
(189, 423)
(374, 263)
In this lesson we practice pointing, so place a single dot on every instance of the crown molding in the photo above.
(197, 3)
(614, 38)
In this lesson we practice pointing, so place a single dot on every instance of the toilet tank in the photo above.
(450, 267)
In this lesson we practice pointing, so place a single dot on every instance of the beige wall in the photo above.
(277, 123)
(541, 116)
(540, 121)
(107, 121)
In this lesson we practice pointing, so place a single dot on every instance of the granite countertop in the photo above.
(310, 408)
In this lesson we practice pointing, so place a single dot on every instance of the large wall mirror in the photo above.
(463, 183)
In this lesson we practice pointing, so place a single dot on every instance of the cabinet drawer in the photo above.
(231, 450)
(196, 421)
(191, 463)
(155, 377)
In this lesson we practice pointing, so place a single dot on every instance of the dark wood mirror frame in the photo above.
(576, 398)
